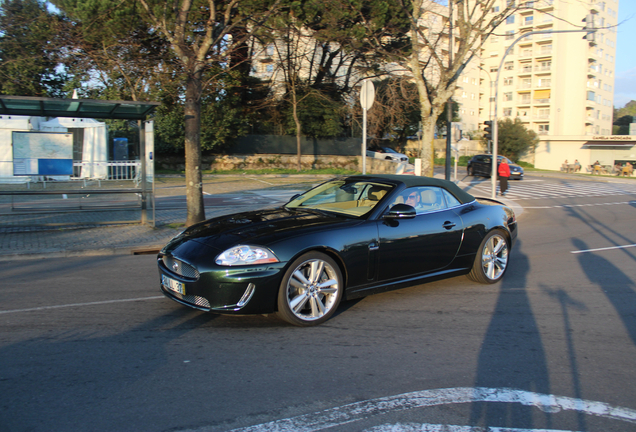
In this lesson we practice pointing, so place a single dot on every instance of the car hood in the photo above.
(261, 227)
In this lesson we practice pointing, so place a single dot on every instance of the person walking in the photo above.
(504, 174)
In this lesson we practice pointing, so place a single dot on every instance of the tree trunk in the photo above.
(194, 191)
(428, 145)
(298, 133)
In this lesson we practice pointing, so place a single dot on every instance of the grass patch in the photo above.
(175, 225)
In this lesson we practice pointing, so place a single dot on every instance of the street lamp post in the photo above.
(495, 126)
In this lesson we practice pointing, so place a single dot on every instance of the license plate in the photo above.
(173, 285)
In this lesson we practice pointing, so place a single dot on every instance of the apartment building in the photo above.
(556, 83)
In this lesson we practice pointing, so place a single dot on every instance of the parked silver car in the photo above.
(386, 153)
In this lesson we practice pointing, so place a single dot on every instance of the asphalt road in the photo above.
(90, 344)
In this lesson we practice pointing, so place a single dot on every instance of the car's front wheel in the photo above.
(491, 261)
(311, 290)
(470, 171)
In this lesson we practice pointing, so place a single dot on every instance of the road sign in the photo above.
(367, 94)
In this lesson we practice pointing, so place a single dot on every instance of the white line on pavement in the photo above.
(80, 304)
(603, 249)
(351, 413)
(579, 205)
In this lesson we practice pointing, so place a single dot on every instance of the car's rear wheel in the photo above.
(311, 290)
(491, 261)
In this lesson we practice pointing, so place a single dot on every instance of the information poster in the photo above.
(42, 153)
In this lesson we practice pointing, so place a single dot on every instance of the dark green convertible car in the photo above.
(346, 238)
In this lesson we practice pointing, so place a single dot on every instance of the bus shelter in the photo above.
(46, 155)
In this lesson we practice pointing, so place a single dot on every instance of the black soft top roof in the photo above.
(413, 181)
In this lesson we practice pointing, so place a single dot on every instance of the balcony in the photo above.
(524, 86)
(525, 70)
(545, 51)
(543, 68)
(542, 101)
(525, 53)
(544, 5)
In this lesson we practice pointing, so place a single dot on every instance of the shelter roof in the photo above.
(78, 108)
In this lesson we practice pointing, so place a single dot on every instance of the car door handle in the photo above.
(374, 246)
(448, 225)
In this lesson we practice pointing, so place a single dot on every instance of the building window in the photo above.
(510, 34)
(507, 97)
(591, 96)
(510, 19)
(270, 68)
(509, 66)
(507, 112)
(544, 82)
(507, 81)
(529, 20)
(543, 129)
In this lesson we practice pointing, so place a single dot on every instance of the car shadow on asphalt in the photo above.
(512, 354)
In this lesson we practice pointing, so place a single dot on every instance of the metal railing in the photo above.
(111, 170)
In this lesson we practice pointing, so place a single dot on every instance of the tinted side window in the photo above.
(423, 199)
(450, 199)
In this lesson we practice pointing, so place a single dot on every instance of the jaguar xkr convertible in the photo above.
(349, 237)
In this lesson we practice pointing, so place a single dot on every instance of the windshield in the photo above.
(500, 158)
(389, 150)
(339, 196)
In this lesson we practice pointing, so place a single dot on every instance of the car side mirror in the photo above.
(401, 211)
(293, 198)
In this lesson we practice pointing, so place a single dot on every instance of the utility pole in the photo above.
(449, 102)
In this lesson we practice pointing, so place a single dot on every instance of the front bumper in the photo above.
(242, 290)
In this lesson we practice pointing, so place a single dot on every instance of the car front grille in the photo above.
(179, 267)
(194, 300)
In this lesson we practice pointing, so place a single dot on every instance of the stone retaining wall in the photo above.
(265, 161)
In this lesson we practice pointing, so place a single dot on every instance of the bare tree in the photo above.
(202, 35)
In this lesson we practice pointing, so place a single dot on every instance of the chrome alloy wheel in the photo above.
(494, 257)
(312, 289)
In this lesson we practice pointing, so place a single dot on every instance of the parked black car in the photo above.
(347, 238)
(481, 165)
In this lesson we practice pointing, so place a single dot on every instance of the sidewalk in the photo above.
(80, 236)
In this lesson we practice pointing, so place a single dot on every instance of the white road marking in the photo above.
(354, 412)
(581, 205)
(603, 249)
(262, 181)
(415, 427)
(80, 304)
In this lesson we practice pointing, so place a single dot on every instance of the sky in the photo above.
(625, 72)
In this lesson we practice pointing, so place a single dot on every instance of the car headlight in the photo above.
(246, 255)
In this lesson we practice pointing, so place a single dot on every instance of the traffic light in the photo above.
(488, 130)
(589, 26)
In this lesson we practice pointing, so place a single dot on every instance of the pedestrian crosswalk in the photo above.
(539, 189)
